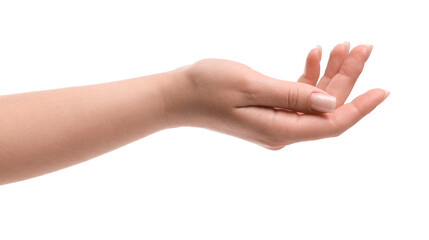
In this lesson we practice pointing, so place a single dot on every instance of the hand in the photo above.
(230, 97)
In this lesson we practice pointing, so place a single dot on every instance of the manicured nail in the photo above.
(319, 48)
(323, 103)
(370, 47)
(347, 44)
(387, 93)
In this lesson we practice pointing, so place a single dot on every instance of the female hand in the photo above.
(58, 128)
(230, 97)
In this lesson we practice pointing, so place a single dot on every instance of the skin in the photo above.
(45, 131)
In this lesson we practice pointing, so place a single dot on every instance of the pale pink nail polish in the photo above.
(370, 47)
(387, 93)
(323, 103)
(319, 48)
(347, 44)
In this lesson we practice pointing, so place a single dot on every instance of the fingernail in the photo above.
(347, 44)
(318, 47)
(370, 47)
(387, 93)
(323, 103)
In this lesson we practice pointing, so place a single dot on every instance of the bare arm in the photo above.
(44, 131)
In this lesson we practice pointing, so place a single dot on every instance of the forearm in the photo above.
(44, 131)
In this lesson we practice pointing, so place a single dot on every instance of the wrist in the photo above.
(176, 97)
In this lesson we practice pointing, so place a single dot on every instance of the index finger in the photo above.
(312, 127)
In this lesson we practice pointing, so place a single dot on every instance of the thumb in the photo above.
(295, 96)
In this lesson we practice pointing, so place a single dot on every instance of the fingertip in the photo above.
(368, 101)
(346, 43)
(362, 51)
(387, 93)
(315, 54)
(381, 93)
(312, 67)
(369, 46)
(315, 58)
(319, 52)
(342, 48)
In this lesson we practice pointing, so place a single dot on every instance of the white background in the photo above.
(370, 183)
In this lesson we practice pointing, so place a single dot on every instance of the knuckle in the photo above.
(249, 88)
(251, 93)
